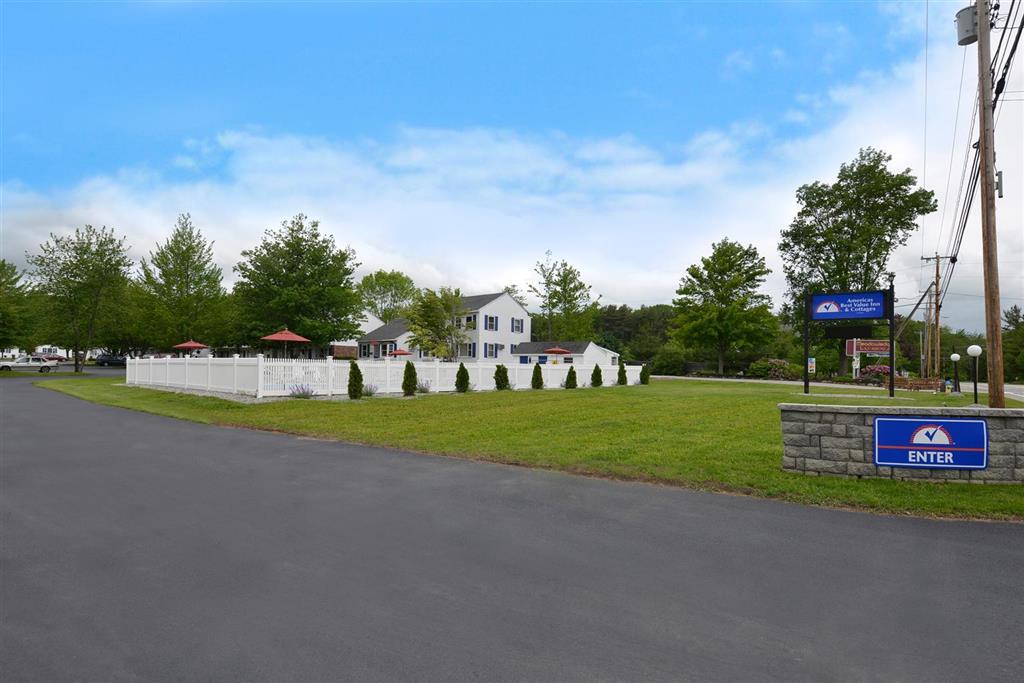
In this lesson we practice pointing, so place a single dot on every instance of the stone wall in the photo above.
(840, 441)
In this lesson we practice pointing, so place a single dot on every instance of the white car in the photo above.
(28, 363)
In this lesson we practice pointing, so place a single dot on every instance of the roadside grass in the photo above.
(719, 436)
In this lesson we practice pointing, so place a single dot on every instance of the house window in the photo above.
(491, 322)
(542, 360)
(615, 360)
(512, 348)
(524, 360)
(472, 348)
(490, 350)
(364, 350)
(471, 322)
(468, 350)
(567, 359)
(517, 324)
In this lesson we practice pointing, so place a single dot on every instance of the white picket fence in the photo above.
(328, 377)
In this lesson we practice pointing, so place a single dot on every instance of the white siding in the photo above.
(505, 308)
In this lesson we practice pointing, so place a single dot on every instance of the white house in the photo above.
(585, 354)
(348, 348)
(495, 324)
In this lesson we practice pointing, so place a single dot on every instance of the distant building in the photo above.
(585, 354)
(349, 348)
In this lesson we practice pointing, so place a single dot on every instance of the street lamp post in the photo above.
(955, 357)
(974, 351)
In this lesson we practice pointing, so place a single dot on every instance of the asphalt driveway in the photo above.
(140, 547)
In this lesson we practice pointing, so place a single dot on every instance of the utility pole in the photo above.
(937, 328)
(990, 256)
(926, 349)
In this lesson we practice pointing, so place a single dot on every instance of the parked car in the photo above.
(106, 359)
(51, 356)
(28, 363)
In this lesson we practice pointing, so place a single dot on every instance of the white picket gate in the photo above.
(329, 377)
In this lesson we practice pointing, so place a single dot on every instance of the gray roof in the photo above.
(538, 348)
(387, 332)
(475, 302)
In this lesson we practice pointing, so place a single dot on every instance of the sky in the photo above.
(460, 141)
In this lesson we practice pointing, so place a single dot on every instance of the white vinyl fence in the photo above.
(328, 377)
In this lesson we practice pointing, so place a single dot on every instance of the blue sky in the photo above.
(624, 137)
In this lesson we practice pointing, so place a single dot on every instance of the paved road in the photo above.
(1015, 391)
(139, 547)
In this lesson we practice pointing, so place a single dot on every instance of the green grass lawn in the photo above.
(719, 436)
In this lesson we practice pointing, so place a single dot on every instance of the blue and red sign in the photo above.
(848, 306)
(935, 442)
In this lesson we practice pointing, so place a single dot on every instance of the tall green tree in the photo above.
(387, 293)
(298, 278)
(844, 232)
(1013, 344)
(719, 304)
(184, 283)
(80, 275)
(568, 307)
(14, 312)
(434, 322)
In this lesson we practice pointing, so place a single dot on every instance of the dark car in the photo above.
(110, 359)
(52, 356)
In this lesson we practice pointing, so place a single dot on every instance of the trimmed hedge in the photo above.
(501, 382)
(621, 379)
(355, 381)
(595, 377)
(409, 379)
(570, 379)
(462, 379)
(537, 381)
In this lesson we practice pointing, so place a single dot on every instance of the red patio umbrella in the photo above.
(285, 336)
(400, 352)
(190, 345)
(558, 351)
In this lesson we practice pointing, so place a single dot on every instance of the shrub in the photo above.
(774, 368)
(369, 389)
(355, 381)
(645, 374)
(537, 380)
(423, 386)
(670, 360)
(409, 379)
(501, 378)
(570, 379)
(595, 377)
(621, 379)
(301, 391)
(462, 379)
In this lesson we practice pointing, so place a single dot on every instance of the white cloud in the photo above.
(475, 208)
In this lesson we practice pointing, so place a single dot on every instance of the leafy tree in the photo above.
(1013, 317)
(645, 374)
(80, 275)
(595, 377)
(567, 307)
(570, 378)
(297, 278)
(670, 360)
(184, 284)
(355, 381)
(621, 378)
(14, 313)
(434, 322)
(844, 232)
(719, 306)
(387, 293)
(409, 379)
(134, 322)
(514, 292)
(501, 382)
(1013, 344)
(462, 379)
(537, 379)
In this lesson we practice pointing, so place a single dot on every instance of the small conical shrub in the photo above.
(595, 377)
(621, 379)
(409, 379)
(501, 382)
(537, 381)
(645, 374)
(355, 381)
(570, 379)
(462, 379)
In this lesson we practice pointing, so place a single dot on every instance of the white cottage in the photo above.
(585, 354)
(495, 326)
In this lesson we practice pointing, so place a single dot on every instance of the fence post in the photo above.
(479, 376)
(186, 371)
(167, 371)
(387, 375)
(259, 375)
(150, 364)
(209, 363)
(330, 376)
(234, 373)
(437, 374)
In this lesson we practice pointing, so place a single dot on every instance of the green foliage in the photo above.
(501, 382)
(14, 311)
(595, 377)
(570, 378)
(645, 374)
(567, 309)
(462, 379)
(514, 292)
(637, 334)
(774, 368)
(434, 322)
(621, 378)
(844, 232)
(355, 381)
(387, 294)
(719, 305)
(670, 360)
(80, 275)
(297, 278)
(183, 284)
(537, 379)
(409, 379)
